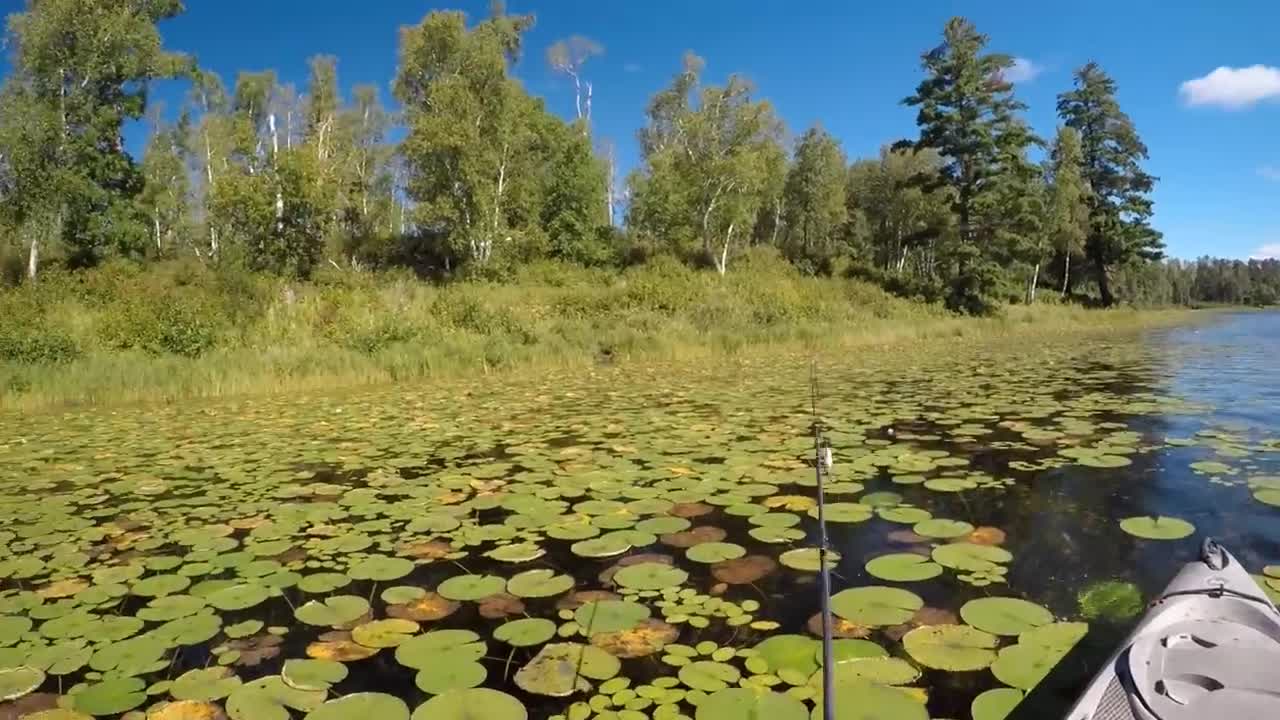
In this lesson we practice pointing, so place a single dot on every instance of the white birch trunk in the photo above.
(33, 258)
(722, 262)
(275, 164)
(1066, 275)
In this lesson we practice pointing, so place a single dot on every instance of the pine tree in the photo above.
(968, 114)
(1119, 204)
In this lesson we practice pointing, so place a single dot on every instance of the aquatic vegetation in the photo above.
(638, 549)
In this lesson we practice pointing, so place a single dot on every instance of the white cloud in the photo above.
(1233, 88)
(1270, 251)
(1023, 71)
(1270, 172)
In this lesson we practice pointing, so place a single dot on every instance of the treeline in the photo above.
(485, 179)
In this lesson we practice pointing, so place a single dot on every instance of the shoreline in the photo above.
(119, 380)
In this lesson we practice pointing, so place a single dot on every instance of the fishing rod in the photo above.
(821, 466)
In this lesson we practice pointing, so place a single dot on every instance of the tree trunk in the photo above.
(33, 258)
(1066, 274)
(722, 262)
(1031, 289)
(155, 221)
(1104, 284)
(610, 190)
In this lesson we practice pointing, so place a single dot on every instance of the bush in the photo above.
(26, 335)
(162, 322)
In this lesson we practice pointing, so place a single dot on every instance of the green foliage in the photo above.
(814, 197)
(1119, 204)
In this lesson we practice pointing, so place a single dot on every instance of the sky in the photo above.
(1200, 80)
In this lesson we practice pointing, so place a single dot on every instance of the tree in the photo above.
(86, 65)
(568, 56)
(164, 169)
(705, 166)
(814, 198)
(1068, 207)
(1119, 204)
(968, 114)
(575, 188)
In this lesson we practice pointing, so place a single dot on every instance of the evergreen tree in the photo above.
(968, 114)
(1119, 204)
(1068, 206)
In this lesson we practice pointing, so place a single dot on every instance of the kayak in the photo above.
(1208, 648)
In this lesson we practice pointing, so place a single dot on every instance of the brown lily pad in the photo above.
(256, 650)
(986, 535)
(187, 710)
(28, 705)
(906, 537)
(840, 628)
(690, 510)
(644, 639)
(694, 536)
(427, 608)
(496, 607)
(573, 601)
(424, 550)
(743, 570)
(63, 588)
(924, 616)
(340, 650)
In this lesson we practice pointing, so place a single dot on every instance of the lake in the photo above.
(636, 542)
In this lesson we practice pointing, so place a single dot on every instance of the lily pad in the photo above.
(312, 674)
(16, 682)
(443, 677)
(472, 704)
(942, 528)
(714, 552)
(708, 675)
(644, 639)
(876, 605)
(1157, 527)
(903, 567)
(471, 587)
(995, 704)
(789, 652)
(111, 697)
(384, 633)
(750, 704)
(868, 701)
(879, 670)
(333, 611)
(562, 669)
(539, 583)
(970, 557)
(807, 559)
(269, 698)
(440, 647)
(525, 632)
(650, 576)
(610, 616)
(362, 705)
(1004, 615)
(205, 684)
(238, 597)
(1024, 666)
(958, 648)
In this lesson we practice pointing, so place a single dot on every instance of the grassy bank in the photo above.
(119, 335)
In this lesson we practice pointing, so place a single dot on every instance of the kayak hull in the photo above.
(1209, 647)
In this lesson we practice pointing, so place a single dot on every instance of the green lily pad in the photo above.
(134, 656)
(238, 597)
(525, 632)
(205, 684)
(904, 515)
(380, 568)
(561, 669)
(400, 594)
(879, 670)
(312, 674)
(807, 559)
(384, 633)
(789, 652)
(63, 658)
(472, 704)
(191, 630)
(1059, 636)
(868, 701)
(332, 611)
(750, 704)
(607, 545)
(444, 677)
(171, 607)
(995, 704)
(876, 605)
(441, 647)
(242, 629)
(516, 552)
(269, 698)
(539, 583)
(958, 648)
(851, 649)
(903, 567)
(942, 528)
(970, 557)
(1157, 528)
(160, 585)
(471, 587)
(111, 697)
(708, 675)
(844, 512)
(714, 552)
(606, 616)
(320, 583)
(650, 576)
(15, 682)
(12, 629)
(369, 705)
(1023, 666)
(1004, 615)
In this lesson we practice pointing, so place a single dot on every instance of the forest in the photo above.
(462, 176)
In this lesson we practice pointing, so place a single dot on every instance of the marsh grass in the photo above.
(119, 335)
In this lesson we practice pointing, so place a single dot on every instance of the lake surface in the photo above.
(635, 542)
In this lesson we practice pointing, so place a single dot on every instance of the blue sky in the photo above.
(1201, 80)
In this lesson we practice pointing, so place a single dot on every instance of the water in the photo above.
(263, 492)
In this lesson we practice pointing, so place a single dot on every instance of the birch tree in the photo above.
(569, 56)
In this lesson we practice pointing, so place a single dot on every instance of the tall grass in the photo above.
(120, 334)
